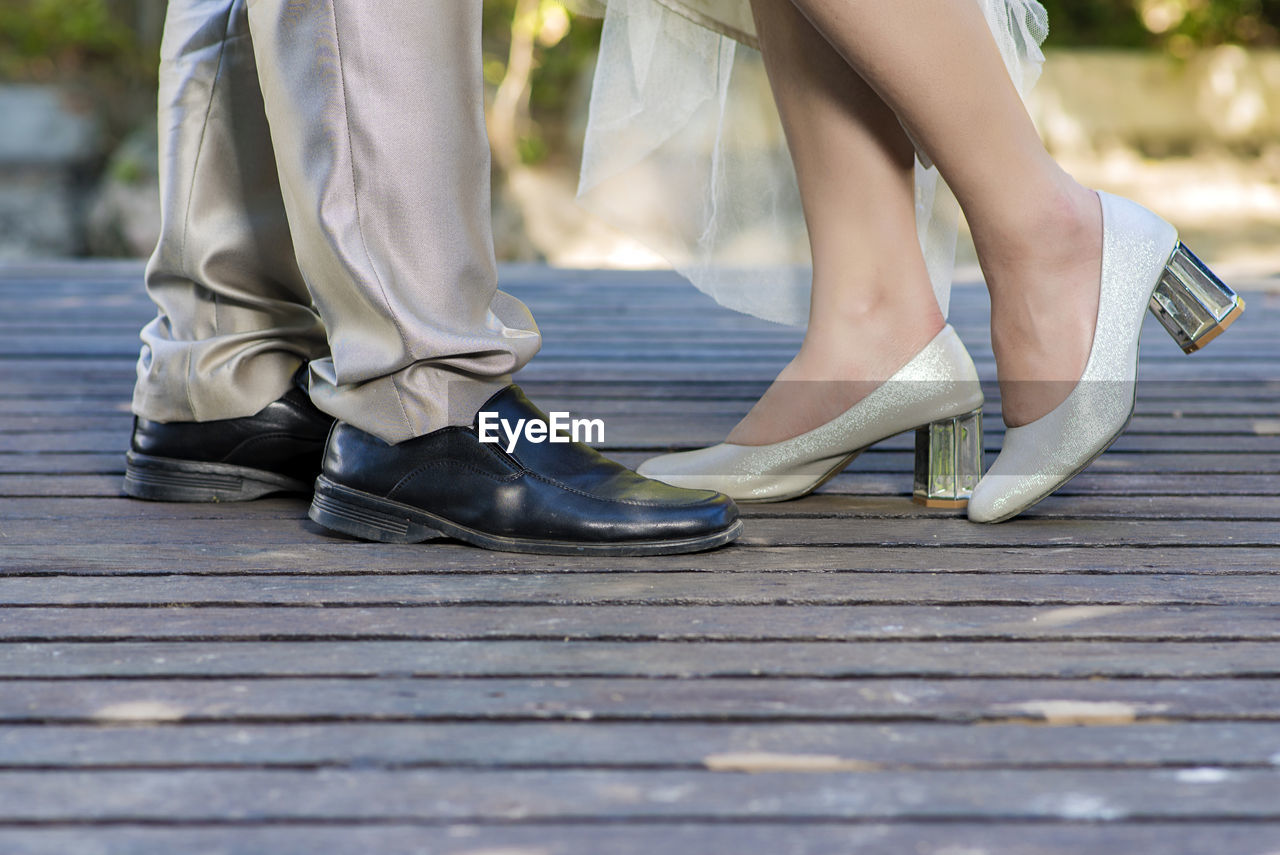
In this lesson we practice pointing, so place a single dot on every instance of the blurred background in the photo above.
(1173, 102)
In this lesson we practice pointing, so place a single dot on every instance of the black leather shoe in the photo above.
(553, 498)
(278, 450)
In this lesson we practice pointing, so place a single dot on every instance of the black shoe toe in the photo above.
(553, 497)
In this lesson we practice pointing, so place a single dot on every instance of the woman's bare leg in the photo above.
(873, 306)
(1038, 232)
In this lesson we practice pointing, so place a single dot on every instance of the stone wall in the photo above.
(48, 143)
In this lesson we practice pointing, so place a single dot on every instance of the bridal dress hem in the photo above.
(684, 149)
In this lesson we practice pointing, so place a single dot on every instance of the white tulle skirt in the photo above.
(684, 149)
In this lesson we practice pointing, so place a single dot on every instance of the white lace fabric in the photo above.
(685, 150)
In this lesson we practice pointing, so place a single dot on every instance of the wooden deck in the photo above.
(856, 675)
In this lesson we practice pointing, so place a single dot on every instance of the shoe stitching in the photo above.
(454, 463)
(275, 435)
(633, 502)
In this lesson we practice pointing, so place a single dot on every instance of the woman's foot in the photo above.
(1142, 257)
(1044, 285)
(838, 365)
(937, 388)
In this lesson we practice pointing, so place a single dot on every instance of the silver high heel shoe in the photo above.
(1144, 266)
(936, 393)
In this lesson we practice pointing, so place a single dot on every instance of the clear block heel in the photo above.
(1193, 304)
(948, 461)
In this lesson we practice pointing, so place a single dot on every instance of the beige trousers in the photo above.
(324, 175)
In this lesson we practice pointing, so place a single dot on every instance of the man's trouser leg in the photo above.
(235, 320)
(377, 120)
(376, 116)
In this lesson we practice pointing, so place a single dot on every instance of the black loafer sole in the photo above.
(370, 517)
(166, 479)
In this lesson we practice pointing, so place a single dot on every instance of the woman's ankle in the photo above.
(1044, 305)
(869, 346)
(1057, 224)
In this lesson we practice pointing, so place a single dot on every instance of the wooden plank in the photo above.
(932, 531)
(311, 699)
(1065, 505)
(63, 464)
(68, 409)
(117, 507)
(310, 555)
(627, 434)
(828, 503)
(1124, 500)
(59, 485)
(103, 431)
(632, 350)
(897, 659)
(71, 421)
(475, 795)
(31, 330)
(72, 380)
(1096, 481)
(575, 327)
(1256, 378)
(590, 310)
(873, 462)
(874, 472)
(946, 533)
(596, 293)
(647, 623)
(672, 745)
(1141, 491)
(665, 588)
(620, 337)
(115, 439)
(20, 273)
(748, 838)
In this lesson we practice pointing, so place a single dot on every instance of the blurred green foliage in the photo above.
(107, 48)
(560, 56)
(1177, 26)
(97, 49)
(46, 40)
(564, 48)
(50, 39)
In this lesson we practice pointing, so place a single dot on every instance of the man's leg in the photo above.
(376, 112)
(377, 117)
(218, 418)
(235, 320)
